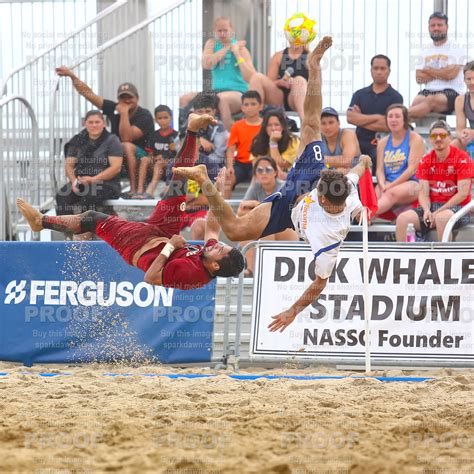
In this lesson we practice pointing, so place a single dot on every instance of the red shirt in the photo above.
(242, 135)
(184, 269)
(444, 176)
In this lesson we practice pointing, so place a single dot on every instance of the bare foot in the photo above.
(196, 122)
(315, 56)
(196, 173)
(33, 216)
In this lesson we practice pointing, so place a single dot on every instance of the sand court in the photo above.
(91, 421)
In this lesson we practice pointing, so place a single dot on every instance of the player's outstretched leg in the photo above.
(221, 209)
(72, 224)
(188, 153)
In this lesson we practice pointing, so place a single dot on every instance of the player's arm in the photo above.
(81, 86)
(282, 320)
(154, 275)
(311, 125)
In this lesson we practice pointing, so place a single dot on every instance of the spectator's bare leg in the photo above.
(442, 219)
(405, 218)
(422, 105)
(311, 125)
(267, 89)
(129, 150)
(142, 173)
(400, 195)
(159, 169)
(229, 104)
(297, 95)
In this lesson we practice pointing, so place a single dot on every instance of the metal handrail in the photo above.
(101, 15)
(454, 218)
(34, 152)
(104, 47)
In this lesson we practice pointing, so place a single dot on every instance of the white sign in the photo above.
(422, 304)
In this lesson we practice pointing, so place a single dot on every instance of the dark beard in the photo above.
(439, 36)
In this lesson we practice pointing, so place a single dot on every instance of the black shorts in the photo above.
(286, 93)
(243, 172)
(451, 95)
(434, 207)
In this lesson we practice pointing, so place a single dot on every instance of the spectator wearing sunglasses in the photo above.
(264, 184)
(445, 176)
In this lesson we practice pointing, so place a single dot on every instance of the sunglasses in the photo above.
(443, 135)
(267, 169)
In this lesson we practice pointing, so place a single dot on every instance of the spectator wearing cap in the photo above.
(340, 146)
(130, 122)
(445, 176)
(440, 72)
(368, 105)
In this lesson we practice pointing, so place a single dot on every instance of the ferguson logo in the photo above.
(15, 291)
(87, 293)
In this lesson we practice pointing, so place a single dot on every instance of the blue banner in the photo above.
(80, 302)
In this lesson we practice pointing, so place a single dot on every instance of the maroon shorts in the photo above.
(129, 237)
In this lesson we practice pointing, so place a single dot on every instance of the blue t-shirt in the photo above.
(226, 75)
(371, 103)
(395, 158)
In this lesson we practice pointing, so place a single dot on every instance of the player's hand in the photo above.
(64, 71)
(282, 320)
(178, 241)
(366, 160)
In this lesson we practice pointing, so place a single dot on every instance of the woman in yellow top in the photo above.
(276, 141)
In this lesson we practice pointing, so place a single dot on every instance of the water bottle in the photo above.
(470, 149)
(411, 233)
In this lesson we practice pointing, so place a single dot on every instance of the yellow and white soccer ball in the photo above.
(299, 29)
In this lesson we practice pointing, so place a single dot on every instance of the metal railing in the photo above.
(363, 28)
(153, 43)
(454, 218)
(19, 155)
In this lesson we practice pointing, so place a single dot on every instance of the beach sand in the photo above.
(89, 422)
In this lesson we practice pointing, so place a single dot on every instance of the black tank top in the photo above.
(298, 65)
(468, 112)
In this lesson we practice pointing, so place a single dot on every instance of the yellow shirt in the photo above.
(289, 155)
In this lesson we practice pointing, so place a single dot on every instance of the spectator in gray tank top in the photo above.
(340, 146)
(464, 108)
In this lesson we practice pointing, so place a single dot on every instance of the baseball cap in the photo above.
(439, 15)
(127, 88)
(329, 111)
(440, 124)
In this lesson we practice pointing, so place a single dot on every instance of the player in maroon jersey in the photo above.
(154, 246)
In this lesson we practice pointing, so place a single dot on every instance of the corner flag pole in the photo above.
(367, 303)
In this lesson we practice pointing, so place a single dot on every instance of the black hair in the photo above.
(261, 142)
(264, 158)
(93, 112)
(206, 99)
(163, 108)
(381, 56)
(334, 186)
(231, 265)
(251, 95)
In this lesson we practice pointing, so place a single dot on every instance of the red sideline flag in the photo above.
(367, 194)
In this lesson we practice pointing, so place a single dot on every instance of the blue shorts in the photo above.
(304, 173)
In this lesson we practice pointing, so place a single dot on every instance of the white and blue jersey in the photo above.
(303, 174)
(323, 231)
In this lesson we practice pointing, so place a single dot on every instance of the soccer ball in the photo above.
(299, 29)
